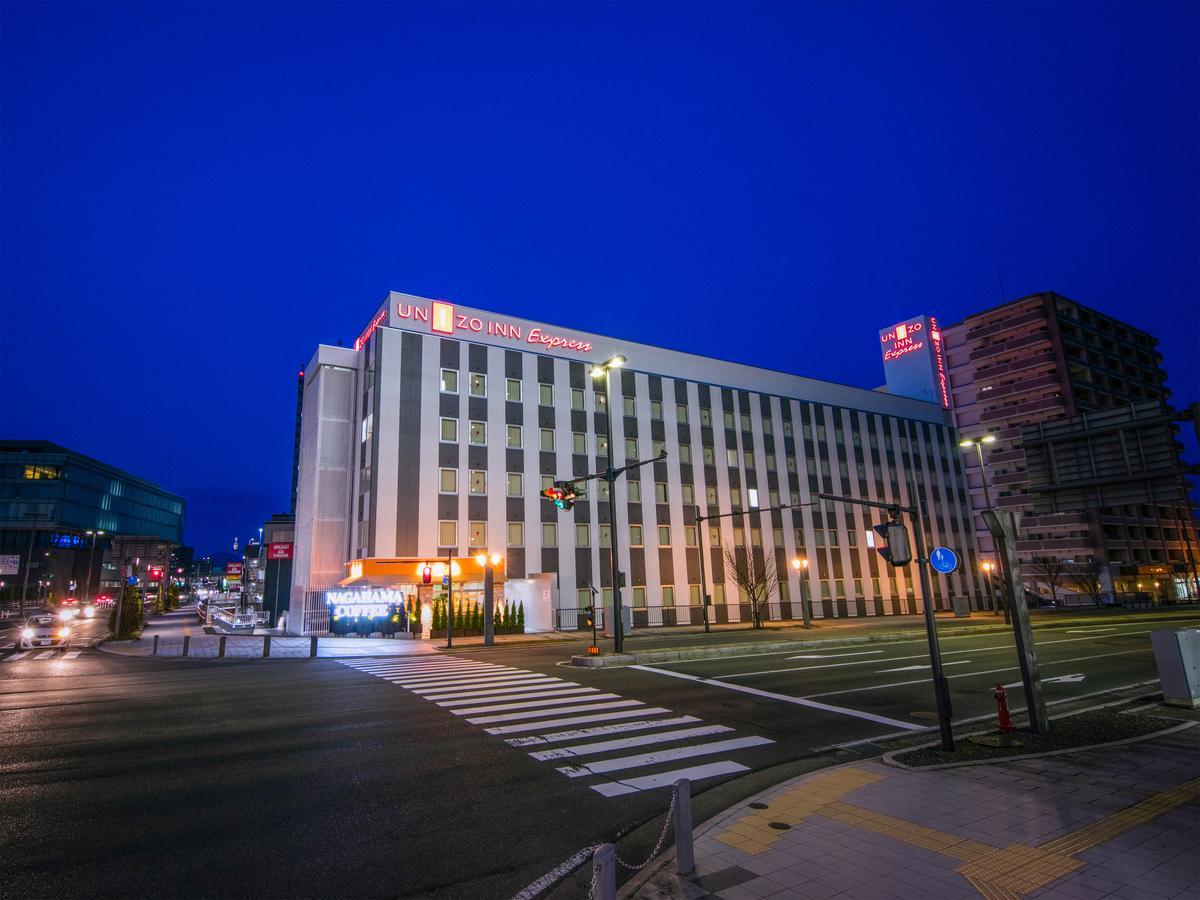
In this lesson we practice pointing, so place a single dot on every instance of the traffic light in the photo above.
(427, 575)
(562, 494)
(590, 612)
(895, 549)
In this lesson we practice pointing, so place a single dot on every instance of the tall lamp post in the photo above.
(91, 559)
(967, 444)
(998, 603)
(703, 576)
(801, 567)
(606, 369)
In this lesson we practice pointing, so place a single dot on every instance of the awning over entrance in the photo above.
(411, 570)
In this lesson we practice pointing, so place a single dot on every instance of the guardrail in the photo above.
(235, 646)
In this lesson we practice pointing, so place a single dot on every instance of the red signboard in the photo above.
(233, 568)
(279, 551)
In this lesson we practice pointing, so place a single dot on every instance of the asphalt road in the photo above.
(84, 632)
(458, 775)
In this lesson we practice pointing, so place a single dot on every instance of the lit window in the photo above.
(689, 535)
(634, 491)
(448, 482)
(547, 438)
(602, 490)
(631, 448)
(630, 409)
(476, 535)
(708, 456)
(549, 534)
(578, 442)
(513, 437)
(660, 492)
(745, 421)
(449, 381)
(694, 594)
(639, 597)
(546, 394)
(516, 534)
(664, 535)
(731, 457)
(718, 593)
(714, 535)
(706, 417)
(710, 496)
(583, 535)
(752, 494)
(478, 481)
(668, 595)
(601, 446)
(688, 494)
(635, 535)
(681, 413)
(728, 420)
(685, 454)
(748, 459)
(735, 496)
(601, 402)
(477, 385)
(512, 390)
(576, 399)
(767, 427)
(516, 484)
(450, 431)
(41, 473)
(656, 410)
(447, 534)
(478, 433)
(657, 448)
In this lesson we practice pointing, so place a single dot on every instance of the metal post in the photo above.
(489, 604)
(685, 857)
(266, 645)
(87, 595)
(187, 640)
(703, 576)
(221, 647)
(611, 477)
(941, 689)
(804, 597)
(154, 652)
(605, 859)
(312, 646)
(449, 601)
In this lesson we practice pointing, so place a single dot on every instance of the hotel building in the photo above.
(434, 435)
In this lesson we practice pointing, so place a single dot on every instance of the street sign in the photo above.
(279, 550)
(445, 579)
(943, 560)
(9, 564)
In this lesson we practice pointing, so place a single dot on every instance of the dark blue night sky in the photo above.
(195, 195)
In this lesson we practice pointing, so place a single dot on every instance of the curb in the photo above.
(888, 759)
(711, 652)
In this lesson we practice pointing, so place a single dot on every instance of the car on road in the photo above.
(45, 630)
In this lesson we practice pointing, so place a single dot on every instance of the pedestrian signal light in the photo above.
(895, 549)
(427, 575)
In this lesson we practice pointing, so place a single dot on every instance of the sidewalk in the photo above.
(1120, 822)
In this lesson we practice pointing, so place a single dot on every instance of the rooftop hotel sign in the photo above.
(914, 360)
(443, 318)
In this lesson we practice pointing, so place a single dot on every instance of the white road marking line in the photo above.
(457, 679)
(1060, 679)
(857, 662)
(835, 655)
(524, 695)
(72, 654)
(577, 720)
(45, 654)
(516, 716)
(431, 690)
(578, 733)
(662, 779)
(662, 737)
(1091, 630)
(533, 704)
(919, 666)
(661, 756)
(787, 698)
(878, 687)
(17, 656)
(505, 689)
(439, 670)
(435, 667)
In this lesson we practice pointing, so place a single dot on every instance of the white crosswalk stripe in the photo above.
(539, 710)
(71, 654)
(16, 656)
(45, 654)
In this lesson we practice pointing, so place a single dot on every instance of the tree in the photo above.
(520, 623)
(755, 575)
(1084, 577)
(130, 611)
(1050, 571)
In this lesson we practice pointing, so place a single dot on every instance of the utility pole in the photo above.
(703, 578)
(611, 478)
(449, 600)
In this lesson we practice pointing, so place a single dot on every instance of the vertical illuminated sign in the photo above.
(443, 317)
(914, 360)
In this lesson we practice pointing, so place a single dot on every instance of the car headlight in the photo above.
(64, 632)
(27, 633)
(89, 612)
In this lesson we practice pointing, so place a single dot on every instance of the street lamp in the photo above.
(489, 604)
(606, 369)
(91, 560)
(801, 567)
(997, 599)
(978, 445)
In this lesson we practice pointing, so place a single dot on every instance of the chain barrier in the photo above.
(595, 878)
(661, 838)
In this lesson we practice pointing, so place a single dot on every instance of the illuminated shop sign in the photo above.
(443, 319)
(915, 361)
(362, 339)
(371, 603)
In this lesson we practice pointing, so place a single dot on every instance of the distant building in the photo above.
(1045, 358)
(60, 512)
(253, 559)
(279, 535)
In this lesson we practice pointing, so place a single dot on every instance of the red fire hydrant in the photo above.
(1006, 725)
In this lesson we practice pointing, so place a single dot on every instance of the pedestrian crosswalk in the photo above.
(41, 654)
(626, 744)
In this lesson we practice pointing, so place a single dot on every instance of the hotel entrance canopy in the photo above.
(410, 570)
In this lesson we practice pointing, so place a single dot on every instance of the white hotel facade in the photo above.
(436, 432)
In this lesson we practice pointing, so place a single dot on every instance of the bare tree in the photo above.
(1084, 577)
(755, 575)
(1050, 571)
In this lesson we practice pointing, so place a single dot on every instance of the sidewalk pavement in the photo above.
(1116, 822)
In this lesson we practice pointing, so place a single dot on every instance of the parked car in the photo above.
(45, 631)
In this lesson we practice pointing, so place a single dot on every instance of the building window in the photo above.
(368, 429)
(601, 446)
(583, 535)
(710, 497)
(714, 535)
(449, 381)
(605, 536)
(478, 481)
(745, 421)
(735, 496)
(787, 428)
(547, 438)
(767, 427)
(718, 593)
(583, 598)
(549, 534)
(731, 457)
(689, 535)
(630, 409)
(45, 473)
(601, 402)
(685, 454)
(688, 494)
(664, 535)
(478, 433)
(708, 456)
(660, 492)
(513, 437)
(656, 410)
(634, 491)
(694, 594)
(546, 394)
(477, 384)
(657, 448)
(447, 533)
(448, 481)
(578, 442)
(639, 598)
(516, 534)
(739, 535)
(516, 484)
(706, 418)
(752, 497)
(476, 535)
(576, 399)
(449, 431)
(547, 482)
(512, 390)
(748, 457)
(635, 535)
(681, 413)
(728, 420)
(668, 595)
(631, 448)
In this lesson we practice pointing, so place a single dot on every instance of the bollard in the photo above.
(221, 647)
(187, 640)
(1004, 720)
(605, 859)
(312, 646)
(266, 646)
(685, 858)
(154, 652)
